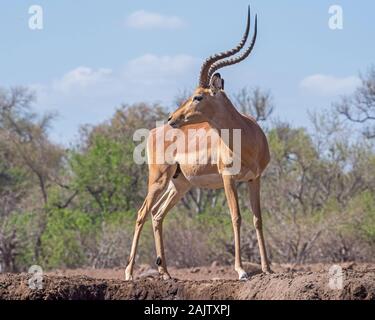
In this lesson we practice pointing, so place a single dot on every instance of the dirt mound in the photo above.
(309, 282)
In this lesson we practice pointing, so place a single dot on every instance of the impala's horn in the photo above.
(224, 63)
(204, 79)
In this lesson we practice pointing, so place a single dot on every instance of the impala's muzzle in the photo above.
(175, 123)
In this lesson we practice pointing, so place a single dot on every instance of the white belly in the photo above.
(211, 181)
(215, 180)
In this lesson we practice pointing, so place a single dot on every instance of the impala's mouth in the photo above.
(173, 124)
(178, 122)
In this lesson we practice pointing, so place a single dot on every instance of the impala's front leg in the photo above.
(158, 183)
(176, 189)
(232, 198)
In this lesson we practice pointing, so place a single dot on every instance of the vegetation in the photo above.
(74, 208)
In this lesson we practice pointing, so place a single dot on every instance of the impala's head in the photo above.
(201, 106)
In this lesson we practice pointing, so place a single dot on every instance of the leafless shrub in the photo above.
(112, 247)
(360, 107)
(255, 102)
(191, 244)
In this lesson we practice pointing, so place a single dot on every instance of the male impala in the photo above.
(209, 109)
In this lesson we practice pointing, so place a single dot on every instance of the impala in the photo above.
(209, 108)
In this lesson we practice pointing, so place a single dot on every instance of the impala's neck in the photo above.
(226, 115)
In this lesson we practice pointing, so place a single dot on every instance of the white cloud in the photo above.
(90, 95)
(149, 68)
(148, 72)
(327, 85)
(81, 77)
(147, 20)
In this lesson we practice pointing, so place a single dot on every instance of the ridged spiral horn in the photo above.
(224, 63)
(204, 78)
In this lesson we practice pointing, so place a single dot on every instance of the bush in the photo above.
(64, 238)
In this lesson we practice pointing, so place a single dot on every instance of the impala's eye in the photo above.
(198, 98)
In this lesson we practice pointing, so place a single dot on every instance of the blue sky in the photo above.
(91, 56)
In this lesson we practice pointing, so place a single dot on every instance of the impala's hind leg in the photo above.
(158, 182)
(254, 188)
(175, 191)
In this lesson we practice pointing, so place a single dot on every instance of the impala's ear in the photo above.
(217, 83)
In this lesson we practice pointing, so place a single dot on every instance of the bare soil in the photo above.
(308, 282)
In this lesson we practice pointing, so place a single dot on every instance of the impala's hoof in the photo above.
(128, 275)
(166, 276)
(267, 271)
(243, 276)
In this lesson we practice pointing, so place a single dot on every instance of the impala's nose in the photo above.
(173, 124)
